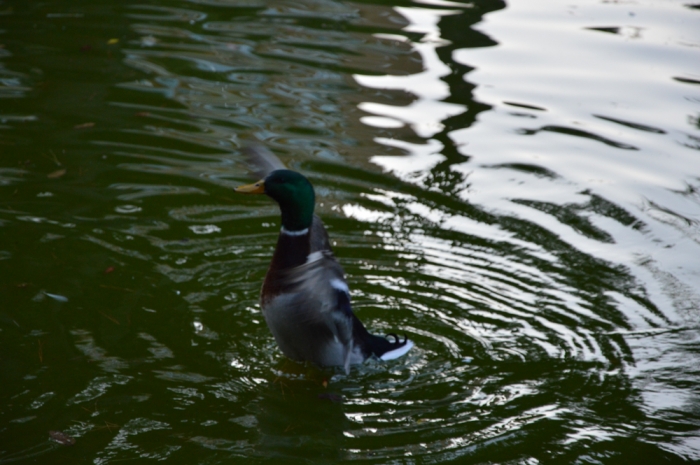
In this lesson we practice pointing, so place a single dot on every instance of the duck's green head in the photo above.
(294, 194)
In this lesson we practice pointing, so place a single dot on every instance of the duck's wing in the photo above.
(261, 160)
(361, 340)
(322, 292)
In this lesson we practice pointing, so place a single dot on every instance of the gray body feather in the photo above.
(311, 318)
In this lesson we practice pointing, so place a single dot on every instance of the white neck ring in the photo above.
(301, 232)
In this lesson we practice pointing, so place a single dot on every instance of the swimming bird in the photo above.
(305, 299)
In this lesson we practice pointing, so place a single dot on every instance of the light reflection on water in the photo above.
(518, 197)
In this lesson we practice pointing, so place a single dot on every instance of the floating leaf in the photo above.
(112, 41)
(56, 174)
(109, 269)
(84, 126)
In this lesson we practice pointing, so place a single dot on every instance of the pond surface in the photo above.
(514, 186)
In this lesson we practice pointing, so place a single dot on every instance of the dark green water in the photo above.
(515, 187)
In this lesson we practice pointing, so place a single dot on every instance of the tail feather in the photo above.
(380, 347)
(388, 350)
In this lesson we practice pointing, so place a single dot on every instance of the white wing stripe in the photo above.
(340, 285)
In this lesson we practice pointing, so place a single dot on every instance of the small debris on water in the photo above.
(57, 297)
(61, 438)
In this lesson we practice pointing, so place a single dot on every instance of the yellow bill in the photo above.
(256, 188)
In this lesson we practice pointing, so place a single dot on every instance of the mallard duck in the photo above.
(305, 299)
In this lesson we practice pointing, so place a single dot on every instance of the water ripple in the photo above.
(519, 204)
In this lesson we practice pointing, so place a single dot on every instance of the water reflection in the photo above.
(428, 110)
